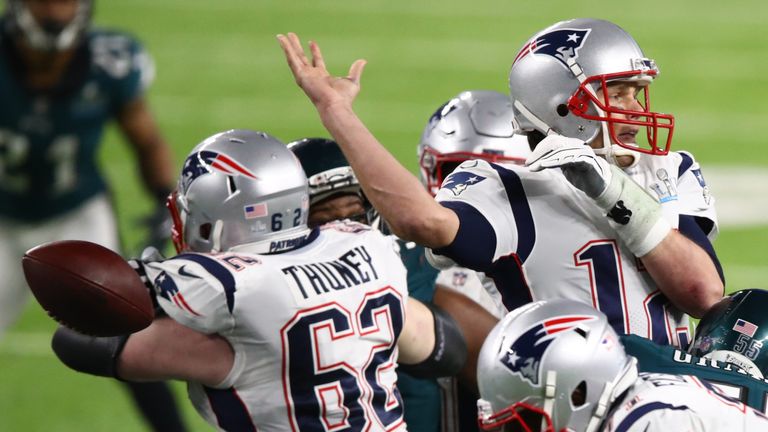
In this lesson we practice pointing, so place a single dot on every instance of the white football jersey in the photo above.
(313, 330)
(538, 237)
(661, 402)
(475, 285)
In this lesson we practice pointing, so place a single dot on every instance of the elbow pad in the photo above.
(88, 354)
(449, 353)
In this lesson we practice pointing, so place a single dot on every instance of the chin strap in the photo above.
(218, 227)
(611, 393)
(550, 386)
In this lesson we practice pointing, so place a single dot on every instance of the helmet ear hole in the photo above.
(205, 231)
(562, 110)
(579, 395)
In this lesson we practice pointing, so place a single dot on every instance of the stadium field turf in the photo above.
(219, 67)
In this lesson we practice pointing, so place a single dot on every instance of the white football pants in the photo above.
(93, 221)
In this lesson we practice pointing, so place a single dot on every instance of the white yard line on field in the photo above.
(740, 194)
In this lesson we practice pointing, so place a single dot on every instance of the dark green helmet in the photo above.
(328, 171)
(735, 330)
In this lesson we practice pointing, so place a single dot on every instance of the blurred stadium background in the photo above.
(219, 67)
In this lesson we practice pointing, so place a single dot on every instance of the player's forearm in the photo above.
(152, 152)
(396, 193)
(157, 170)
(169, 350)
(431, 344)
(418, 337)
(685, 274)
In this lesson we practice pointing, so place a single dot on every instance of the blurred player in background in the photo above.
(557, 365)
(60, 83)
(275, 325)
(603, 225)
(473, 125)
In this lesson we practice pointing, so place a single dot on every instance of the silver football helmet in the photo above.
(551, 365)
(556, 76)
(48, 35)
(475, 124)
(240, 188)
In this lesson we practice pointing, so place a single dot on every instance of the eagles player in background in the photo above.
(597, 229)
(727, 351)
(60, 83)
(474, 125)
(557, 365)
(276, 326)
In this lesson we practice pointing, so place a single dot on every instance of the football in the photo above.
(88, 288)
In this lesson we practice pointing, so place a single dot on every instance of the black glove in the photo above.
(88, 354)
(158, 226)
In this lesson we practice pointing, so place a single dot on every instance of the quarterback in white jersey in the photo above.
(526, 231)
(577, 214)
(558, 365)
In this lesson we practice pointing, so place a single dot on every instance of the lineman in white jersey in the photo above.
(571, 215)
(275, 326)
(313, 329)
(558, 365)
(475, 124)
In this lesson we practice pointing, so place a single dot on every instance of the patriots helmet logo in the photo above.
(562, 44)
(206, 161)
(166, 288)
(523, 357)
(459, 181)
(442, 112)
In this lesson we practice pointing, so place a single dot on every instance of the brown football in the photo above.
(88, 288)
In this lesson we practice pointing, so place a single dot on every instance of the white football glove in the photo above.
(635, 215)
(148, 255)
(581, 166)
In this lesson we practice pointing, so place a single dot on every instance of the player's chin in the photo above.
(624, 161)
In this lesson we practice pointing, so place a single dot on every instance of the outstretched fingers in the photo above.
(356, 71)
(293, 58)
(317, 55)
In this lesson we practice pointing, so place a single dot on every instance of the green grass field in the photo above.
(220, 67)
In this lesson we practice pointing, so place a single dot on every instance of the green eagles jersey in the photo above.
(421, 397)
(49, 140)
(731, 380)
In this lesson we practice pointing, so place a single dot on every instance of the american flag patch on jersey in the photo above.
(255, 210)
(745, 327)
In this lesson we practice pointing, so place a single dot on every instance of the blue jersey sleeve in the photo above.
(491, 221)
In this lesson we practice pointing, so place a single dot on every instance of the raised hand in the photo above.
(323, 89)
